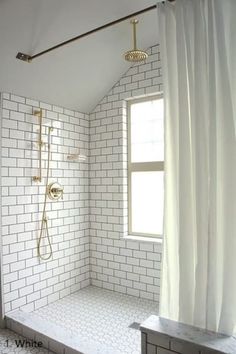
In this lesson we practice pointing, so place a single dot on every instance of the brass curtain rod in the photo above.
(28, 58)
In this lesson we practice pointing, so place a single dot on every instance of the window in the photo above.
(146, 166)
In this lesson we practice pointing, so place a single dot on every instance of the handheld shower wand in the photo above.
(44, 221)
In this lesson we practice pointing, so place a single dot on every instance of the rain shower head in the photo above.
(135, 55)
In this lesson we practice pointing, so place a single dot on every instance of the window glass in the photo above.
(146, 166)
(147, 131)
(147, 202)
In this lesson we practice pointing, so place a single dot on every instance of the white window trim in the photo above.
(139, 167)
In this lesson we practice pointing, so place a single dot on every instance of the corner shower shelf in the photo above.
(76, 157)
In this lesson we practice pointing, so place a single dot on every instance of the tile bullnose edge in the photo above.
(203, 340)
(55, 338)
(155, 240)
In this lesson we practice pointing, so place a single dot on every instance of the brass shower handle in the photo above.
(55, 191)
(58, 191)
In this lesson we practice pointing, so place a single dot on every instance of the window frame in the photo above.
(139, 166)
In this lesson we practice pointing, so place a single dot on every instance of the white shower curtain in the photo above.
(198, 50)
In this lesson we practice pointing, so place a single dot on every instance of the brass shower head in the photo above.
(135, 55)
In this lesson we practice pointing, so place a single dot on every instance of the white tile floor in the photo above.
(9, 346)
(101, 316)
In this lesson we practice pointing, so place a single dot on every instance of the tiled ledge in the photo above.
(162, 336)
(53, 337)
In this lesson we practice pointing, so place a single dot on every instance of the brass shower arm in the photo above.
(134, 22)
(28, 58)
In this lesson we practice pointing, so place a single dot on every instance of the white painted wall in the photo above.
(76, 76)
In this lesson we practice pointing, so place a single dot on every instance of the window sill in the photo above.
(142, 239)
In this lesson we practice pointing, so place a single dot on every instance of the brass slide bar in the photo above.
(39, 114)
(28, 58)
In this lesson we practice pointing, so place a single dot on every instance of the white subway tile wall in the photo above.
(29, 283)
(130, 267)
(88, 226)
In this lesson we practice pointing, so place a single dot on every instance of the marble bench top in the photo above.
(63, 338)
(194, 335)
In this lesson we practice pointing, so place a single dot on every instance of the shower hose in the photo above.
(44, 221)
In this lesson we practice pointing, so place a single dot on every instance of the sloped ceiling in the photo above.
(76, 76)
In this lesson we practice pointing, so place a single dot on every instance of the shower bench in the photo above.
(162, 336)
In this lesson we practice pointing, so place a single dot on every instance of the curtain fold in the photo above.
(198, 50)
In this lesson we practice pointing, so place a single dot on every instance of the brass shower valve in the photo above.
(55, 191)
